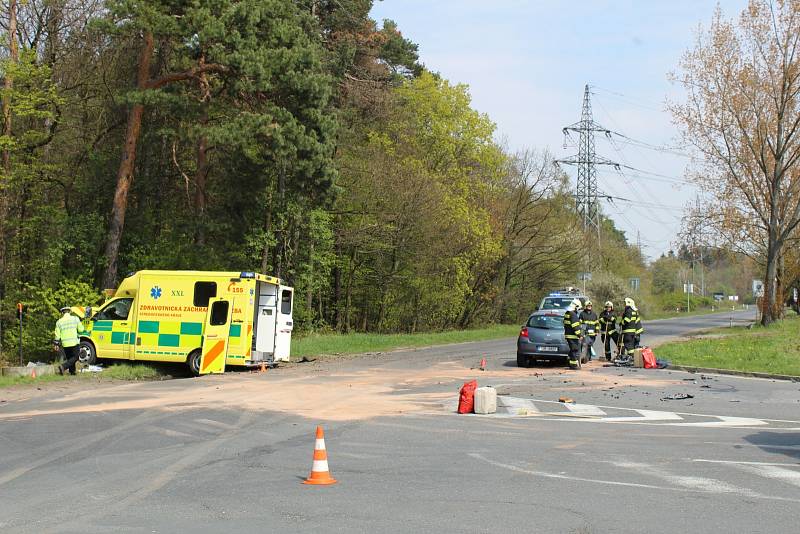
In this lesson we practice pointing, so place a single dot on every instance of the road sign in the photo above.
(634, 283)
(584, 276)
(758, 288)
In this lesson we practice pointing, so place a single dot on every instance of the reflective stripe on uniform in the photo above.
(67, 329)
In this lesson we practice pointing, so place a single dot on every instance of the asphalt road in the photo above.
(179, 456)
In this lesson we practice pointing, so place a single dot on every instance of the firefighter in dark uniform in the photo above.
(572, 332)
(608, 328)
(631, 327)
(589, 325)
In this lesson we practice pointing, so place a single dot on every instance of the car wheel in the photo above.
(532, 362)
(86, 353)
(193, 362)
(522, 360)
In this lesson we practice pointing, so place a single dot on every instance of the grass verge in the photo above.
(335, 344)
(773, 349)
(117, 371)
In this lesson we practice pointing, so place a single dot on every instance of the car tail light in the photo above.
(523, 332)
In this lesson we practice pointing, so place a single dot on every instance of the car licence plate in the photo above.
(547, 349)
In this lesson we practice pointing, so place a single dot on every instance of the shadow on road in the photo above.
(548, 364)
(777, 443)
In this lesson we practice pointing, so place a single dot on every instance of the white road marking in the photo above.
(753, 445)
(646, 415)
(515, 404)
(735, 462)
(726, 421)
(774, 472)
(771, 470)
(584, 409)
(684, 487)
(707, 485)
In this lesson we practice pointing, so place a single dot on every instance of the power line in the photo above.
(635, 101)
(675, 151)
(642, 203)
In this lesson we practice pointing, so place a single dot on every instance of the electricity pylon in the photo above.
(586, 160)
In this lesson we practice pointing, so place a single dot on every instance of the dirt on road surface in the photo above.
(320, 390)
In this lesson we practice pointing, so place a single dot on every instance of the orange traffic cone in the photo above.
(320, 475)
(33, 372)
(263, 368)
(483, 364)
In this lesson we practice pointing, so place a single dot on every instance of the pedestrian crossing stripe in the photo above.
(509, 407)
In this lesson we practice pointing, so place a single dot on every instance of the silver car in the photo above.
(542, 338)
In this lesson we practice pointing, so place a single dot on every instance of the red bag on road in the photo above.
(649, 358)
(466, 399)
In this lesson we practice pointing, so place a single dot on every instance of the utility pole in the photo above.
(700, 231)
(586, 160)
(639, 243)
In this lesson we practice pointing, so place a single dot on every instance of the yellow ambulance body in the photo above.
(206, 319)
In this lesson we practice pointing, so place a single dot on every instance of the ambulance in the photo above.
(208, 320)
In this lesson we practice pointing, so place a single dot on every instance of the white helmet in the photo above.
(630, 303)
(576, 303)
(609, 304)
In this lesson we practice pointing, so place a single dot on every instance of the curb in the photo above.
(41, 370)
(731, 372)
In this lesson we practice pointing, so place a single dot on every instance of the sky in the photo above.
(527, 62)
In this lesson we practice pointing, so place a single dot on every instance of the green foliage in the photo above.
(677, 302)
(606, 286)
(295, 138)
(666, 273)
(41, 311)
(126, 371)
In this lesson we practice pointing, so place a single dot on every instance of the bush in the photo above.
(40, 316)
(606, 286)
(673, 301)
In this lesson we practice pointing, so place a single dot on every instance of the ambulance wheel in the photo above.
(86, 353)
(193, 362)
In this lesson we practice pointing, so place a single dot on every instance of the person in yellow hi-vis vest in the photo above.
(67, 330)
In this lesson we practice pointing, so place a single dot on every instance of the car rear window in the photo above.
(556, 303)
(546, 322)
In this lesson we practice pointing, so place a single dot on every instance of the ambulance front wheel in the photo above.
(193, 362)
(86, 353)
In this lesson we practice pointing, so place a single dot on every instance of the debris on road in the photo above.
(677, 396)
(566, 400)
(485, 400)
(92, 369)
(466, 397)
